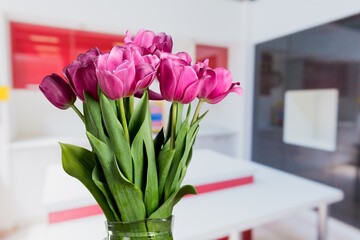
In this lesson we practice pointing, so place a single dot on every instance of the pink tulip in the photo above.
(124, 71)
(178, 81)
(215, 88)
(57, 91)
(81, 74)
(182, 56)
(150, 42)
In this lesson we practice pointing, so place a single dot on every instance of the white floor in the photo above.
(298, 227)
(303, 227)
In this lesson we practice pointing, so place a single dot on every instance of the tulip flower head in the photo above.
(57, 91)
(82, 75)
(124, 71)
(178, 81)
(216, 84)
(150, 42)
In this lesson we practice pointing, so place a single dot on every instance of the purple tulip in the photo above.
(215, 88)
(57, 91)
(124, 71)
(178, 81)
(82, 74)
(150, 42)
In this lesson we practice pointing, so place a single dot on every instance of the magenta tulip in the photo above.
(57, 91)
(82, 75)
(124, 71)
(150, 42)
(178, 81)
(215, 88)
(182, 56)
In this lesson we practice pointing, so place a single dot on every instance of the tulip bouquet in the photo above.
(132, 175)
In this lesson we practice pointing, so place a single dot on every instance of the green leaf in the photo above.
(79, 163)
(168, 128)
(89, 123)
(164, 162)
(127, 196)
(180, 144)
(137, 153)
(143, 144)
(100, 181)
(159, 142)
(138, 116)
(94, 111)
(190, 140)
(166, 209)
(117, 136)
(143, 153)
(180, 108)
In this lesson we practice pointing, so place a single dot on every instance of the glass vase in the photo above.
(154, 229)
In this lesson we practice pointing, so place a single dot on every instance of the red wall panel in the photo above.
(37, 50)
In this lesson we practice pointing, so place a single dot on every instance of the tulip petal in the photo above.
(110, 84)
(167, 79)
(208, 84)
(190, 93)
(152, 95)
(187, 76)
(146, 39)
(89, 56)
(115, 58)
(224, 81)
(153, 60)
(126, 74)
(184, 56)
(101, 62)
(128, 37)
(145, 74)
(85, 80)
(234, 89)
(70, 70)
(133, 54)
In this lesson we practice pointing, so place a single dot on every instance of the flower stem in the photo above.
(78, 112)
(197, 111)
(123, 118)
(131, 105)
(173, 124)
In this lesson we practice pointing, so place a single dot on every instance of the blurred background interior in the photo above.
(273, 47)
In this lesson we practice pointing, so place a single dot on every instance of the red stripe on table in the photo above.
(87, 211)
(211, 187)
(245, 235)
(74, 213)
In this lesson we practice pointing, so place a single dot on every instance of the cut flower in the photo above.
(132, 175)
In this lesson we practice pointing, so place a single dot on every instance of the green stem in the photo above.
(131, 105)
(197, 111)
(173, 124)
(123, 118)
(78, 112)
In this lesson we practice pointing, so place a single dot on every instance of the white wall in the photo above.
(276, 18)
(5, 217)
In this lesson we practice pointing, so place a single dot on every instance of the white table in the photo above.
(274, 195)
